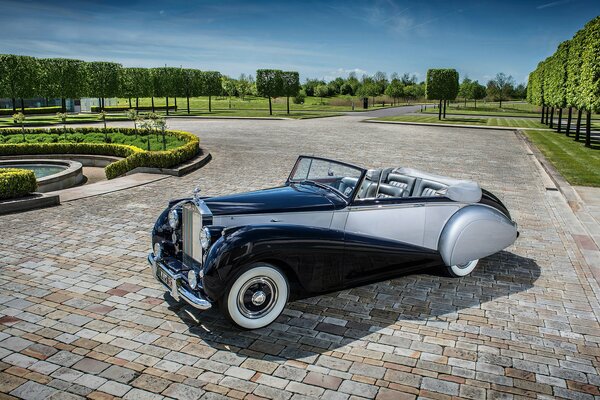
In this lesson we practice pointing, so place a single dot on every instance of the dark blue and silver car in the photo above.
(331, 226)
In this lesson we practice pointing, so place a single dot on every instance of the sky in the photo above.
(320, 39)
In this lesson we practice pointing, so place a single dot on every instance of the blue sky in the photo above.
(320, 39)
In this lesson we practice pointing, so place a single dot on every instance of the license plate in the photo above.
(165, 278)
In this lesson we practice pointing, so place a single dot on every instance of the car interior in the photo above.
(391, 182)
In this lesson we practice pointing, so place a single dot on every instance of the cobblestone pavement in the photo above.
(80, 314)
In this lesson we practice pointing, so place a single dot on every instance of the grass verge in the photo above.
(578, 164)
(452, 120)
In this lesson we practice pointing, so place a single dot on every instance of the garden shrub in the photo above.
(31, 111)
(16, 182)
(133, 156)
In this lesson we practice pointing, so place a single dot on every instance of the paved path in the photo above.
(387, 112)
(81, 316)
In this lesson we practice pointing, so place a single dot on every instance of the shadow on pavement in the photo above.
(324, 323)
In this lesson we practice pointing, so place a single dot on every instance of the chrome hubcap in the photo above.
(257, 297)
(465, 265)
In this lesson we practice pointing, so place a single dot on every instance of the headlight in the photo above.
(205, 238)
(173, 219)
(192, 279)
(157, 250)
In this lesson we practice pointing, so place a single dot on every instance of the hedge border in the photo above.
(31, 111)
(133, 156)
(126, 108)
(16, 182)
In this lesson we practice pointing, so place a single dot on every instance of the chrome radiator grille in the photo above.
(191, 225)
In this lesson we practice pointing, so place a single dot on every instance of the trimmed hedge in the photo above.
(140, 108)
(16, 182)
(133, 156)
(32, 111)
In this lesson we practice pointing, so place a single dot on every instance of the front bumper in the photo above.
(177, 290)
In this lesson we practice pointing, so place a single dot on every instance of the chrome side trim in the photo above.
(176, 289)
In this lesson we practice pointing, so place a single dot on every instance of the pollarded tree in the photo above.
(500, 88)
(590, 74)
(127, 87)
(535, 88)
(62, 78)
(291, 85)
(269, 83)
(555, 81)
(211, 85)
(442, 85)
(19, 77)
(229, 87)
(141, 81)
(321, 91)
(191, 81)
(167, 83)
(574, 94)
(395, 89)
(103, 80)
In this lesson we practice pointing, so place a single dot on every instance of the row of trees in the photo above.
(276, 83)
(23, 77)
(570, 79)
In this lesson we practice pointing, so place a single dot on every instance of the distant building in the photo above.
(73, 105)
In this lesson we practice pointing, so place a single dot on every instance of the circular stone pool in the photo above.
(51, 175)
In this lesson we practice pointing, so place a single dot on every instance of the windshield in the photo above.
(342, 178)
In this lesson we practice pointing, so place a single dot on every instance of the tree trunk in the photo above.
(559, 120)
(440, 111)
(103, 103)
(209, 104)
(475, 103)
(542, 120)
(22, 106)
(137, 103)
(152, 104)
(175, 103)
(167, 108)
(445, 104)
(465, 102)
(188, 104)
(130, 102)
(569, 118)
(578, 126)
(500, 103)
(588, 130)
(271, 107)
(288, 105)
(46, 101)
(63, 104)
(14, 104)
(552, 117)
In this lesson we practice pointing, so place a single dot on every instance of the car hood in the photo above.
(289, 198)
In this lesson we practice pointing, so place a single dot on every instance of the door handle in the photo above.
(419, 205)
(275, 220)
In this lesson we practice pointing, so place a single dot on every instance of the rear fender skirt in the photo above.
(474, 232)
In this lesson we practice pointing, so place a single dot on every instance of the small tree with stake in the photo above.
(160, 124)
(132, 115)
(102, 116)
(63, 118)
(147, 125)
(19, 118)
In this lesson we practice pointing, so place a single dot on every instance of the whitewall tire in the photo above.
(257, 297)
(456, 271)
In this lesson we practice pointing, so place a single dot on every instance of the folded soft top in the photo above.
(464, 191)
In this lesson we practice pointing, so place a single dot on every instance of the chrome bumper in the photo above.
(176, 289)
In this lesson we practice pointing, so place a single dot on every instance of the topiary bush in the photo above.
(16, 183)
(133, 156)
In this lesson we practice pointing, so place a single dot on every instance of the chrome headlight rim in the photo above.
(173, 219)
(205, 238)
(192, 279)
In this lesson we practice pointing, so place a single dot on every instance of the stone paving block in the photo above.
(119, 374)
(183, 392)
(440, 386)
(32, 391)
(359, 389)
(114, 388)
(137, 394)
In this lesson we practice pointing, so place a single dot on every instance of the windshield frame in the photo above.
(349, 198)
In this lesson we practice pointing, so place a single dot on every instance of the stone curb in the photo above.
(503, 128)
(35, 201)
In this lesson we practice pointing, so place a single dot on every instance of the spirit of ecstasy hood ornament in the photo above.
(197, 193)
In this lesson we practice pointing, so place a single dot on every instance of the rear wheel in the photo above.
(256, 297)
(456, 271)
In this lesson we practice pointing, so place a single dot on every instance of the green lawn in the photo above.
(576, 163)
(156, 143)
(336, 103)
(454, 120)
(40, 120)
(492, 109)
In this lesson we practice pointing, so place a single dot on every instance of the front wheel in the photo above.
(257, 297)
(456, 271)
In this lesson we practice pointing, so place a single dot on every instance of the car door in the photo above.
(384, 237)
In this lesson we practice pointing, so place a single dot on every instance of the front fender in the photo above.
(311, 257)
(474, 232)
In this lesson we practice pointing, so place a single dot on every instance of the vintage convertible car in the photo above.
(331, 226)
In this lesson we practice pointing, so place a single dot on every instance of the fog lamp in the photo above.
(192, 279)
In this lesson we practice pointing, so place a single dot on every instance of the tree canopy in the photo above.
(441, 84)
